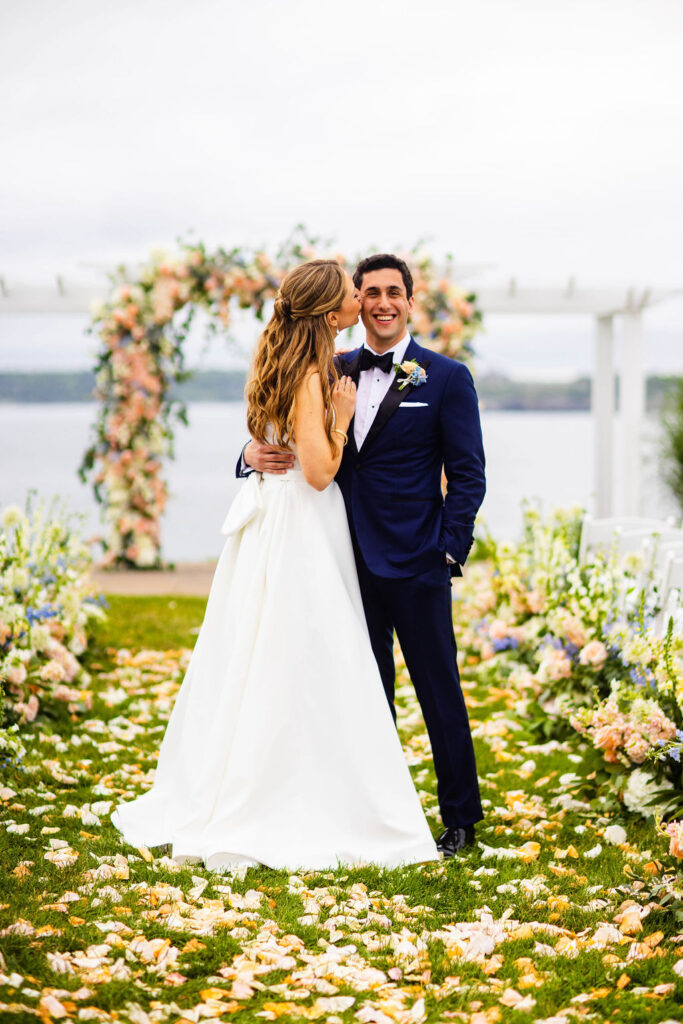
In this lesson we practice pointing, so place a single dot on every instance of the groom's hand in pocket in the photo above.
(267, 458)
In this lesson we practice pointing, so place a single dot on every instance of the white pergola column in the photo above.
(602, 403)
(632, 408)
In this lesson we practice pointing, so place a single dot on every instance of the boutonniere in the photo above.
(414, 374)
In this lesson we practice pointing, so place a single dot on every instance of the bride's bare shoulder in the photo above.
(311, 382)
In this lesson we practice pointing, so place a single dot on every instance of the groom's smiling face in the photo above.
(385, 308)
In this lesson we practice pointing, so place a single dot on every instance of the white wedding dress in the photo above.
(281, 749)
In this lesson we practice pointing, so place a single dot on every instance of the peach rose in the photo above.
(487, 651)
(554, 665)
(498, 630)
(637, 748)
(574, 631)
(675, 832)
(52, 672)
(594, 654)
(608, 738)
(536, 601)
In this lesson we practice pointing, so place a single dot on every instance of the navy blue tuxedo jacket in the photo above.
(400, 520)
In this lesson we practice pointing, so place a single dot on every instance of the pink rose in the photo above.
(30, 709)
(16, 675)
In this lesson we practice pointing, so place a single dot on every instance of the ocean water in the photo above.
(547, 456)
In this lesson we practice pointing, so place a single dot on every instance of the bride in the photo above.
(281, 749)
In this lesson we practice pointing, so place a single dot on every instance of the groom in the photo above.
(410, 423)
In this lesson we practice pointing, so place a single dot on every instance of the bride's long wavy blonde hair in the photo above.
(296, 337)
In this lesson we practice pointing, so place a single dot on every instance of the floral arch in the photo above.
(143, 325)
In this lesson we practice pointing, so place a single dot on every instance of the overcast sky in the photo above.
(540, 139)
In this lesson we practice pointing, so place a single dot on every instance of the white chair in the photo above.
(601, 533)
(672, 581)
(657, 550)
(648, 539)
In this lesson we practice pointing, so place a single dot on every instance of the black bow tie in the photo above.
(369, 359)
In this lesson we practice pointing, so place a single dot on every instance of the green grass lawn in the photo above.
(158, 623)
(545, 917)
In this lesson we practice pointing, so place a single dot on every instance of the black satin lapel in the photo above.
(350, 367)
(353, 448)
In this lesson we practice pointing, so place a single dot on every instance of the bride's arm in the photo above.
(318, 463)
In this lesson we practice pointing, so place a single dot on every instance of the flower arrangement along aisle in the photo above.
(45, 608)
(143, 325)
(576, 642)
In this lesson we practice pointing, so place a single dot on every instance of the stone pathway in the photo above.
(187, 578)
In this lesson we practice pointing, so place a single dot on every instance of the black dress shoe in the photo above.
(454, 839)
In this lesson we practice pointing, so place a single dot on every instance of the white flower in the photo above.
(78, 643)
(147, 552)
(40, 638)
(615, 834)
(19, 578)
(71, 602)
(12, 515)
(160, 254)
(640, 789)
(638, 651)
(15, 674)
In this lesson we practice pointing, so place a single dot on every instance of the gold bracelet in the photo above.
(336, 430)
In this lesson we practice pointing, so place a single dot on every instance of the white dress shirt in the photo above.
(373, 385)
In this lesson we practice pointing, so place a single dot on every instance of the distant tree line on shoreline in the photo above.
(496, 391)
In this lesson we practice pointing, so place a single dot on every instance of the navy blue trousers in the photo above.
(419, 608)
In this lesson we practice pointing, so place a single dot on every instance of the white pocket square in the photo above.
(405, 405)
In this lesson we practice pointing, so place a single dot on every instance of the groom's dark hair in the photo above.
(384, 261)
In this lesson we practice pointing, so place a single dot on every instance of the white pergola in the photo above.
(603, 304)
